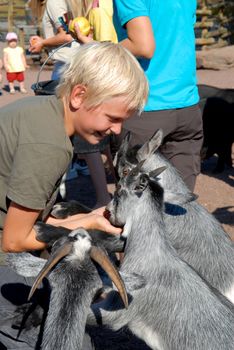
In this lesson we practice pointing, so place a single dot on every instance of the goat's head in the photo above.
(132, 191)
(128, 157)
(77, 246)
(175, 191)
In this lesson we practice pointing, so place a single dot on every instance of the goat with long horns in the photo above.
(74, 281)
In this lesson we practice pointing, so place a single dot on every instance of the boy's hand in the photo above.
(99, 222)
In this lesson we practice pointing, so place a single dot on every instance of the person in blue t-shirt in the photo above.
(161, 35)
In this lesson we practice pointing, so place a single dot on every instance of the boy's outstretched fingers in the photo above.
(99, 222)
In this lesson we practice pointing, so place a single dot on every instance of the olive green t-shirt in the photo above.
(34, 153)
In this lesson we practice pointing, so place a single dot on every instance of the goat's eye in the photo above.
(125, 171)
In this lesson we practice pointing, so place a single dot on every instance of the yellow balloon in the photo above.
(83, 25)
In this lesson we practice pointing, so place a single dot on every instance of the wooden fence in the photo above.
(214, 27)
(215, 24)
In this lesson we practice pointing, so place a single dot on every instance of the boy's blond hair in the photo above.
(107, 70)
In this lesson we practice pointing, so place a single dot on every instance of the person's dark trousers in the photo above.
(183, 137)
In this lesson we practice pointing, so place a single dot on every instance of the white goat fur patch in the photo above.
(146, 333)
(230, 294)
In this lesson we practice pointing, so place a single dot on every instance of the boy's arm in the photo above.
(19, 234)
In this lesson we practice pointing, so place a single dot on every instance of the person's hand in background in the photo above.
(36, 44)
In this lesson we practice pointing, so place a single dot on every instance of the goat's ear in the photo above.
(123, 148)
(141, 183)
(150, 146)
(179, 198)
(25, 264)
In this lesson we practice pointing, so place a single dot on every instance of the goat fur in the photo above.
(196, 234)
(176, 309)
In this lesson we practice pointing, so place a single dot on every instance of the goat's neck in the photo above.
(71, 296)
(146, 234)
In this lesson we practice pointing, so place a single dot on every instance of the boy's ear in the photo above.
(77, 95)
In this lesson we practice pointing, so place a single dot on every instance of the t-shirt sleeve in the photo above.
(36, 171)
(56, 9)
(127, 10)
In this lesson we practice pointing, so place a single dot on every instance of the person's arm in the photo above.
(23, 58)
(37, 43)
(5, 62)
(91, 220)
(1, 65)
(140, 41)
(19, 234)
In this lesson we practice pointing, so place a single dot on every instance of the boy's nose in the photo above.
(116, 129)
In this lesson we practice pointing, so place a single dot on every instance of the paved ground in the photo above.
(216, 192)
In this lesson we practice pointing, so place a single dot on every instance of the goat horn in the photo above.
(137, 168)
(53, 259)
(157, 171)
(102, 259)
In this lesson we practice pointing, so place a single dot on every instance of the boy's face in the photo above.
(94, 124)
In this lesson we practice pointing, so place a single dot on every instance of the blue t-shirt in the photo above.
(172, 70)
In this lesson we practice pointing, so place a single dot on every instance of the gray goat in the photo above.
(195, 233)
(74, 282)
(176, 309)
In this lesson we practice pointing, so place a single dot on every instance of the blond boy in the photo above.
(101, 87)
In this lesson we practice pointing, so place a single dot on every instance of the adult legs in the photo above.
(98, 176)
(232, 154)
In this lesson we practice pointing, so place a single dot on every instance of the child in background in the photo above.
(14, 63)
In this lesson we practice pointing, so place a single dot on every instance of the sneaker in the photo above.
(12, 91)
(23, 91)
